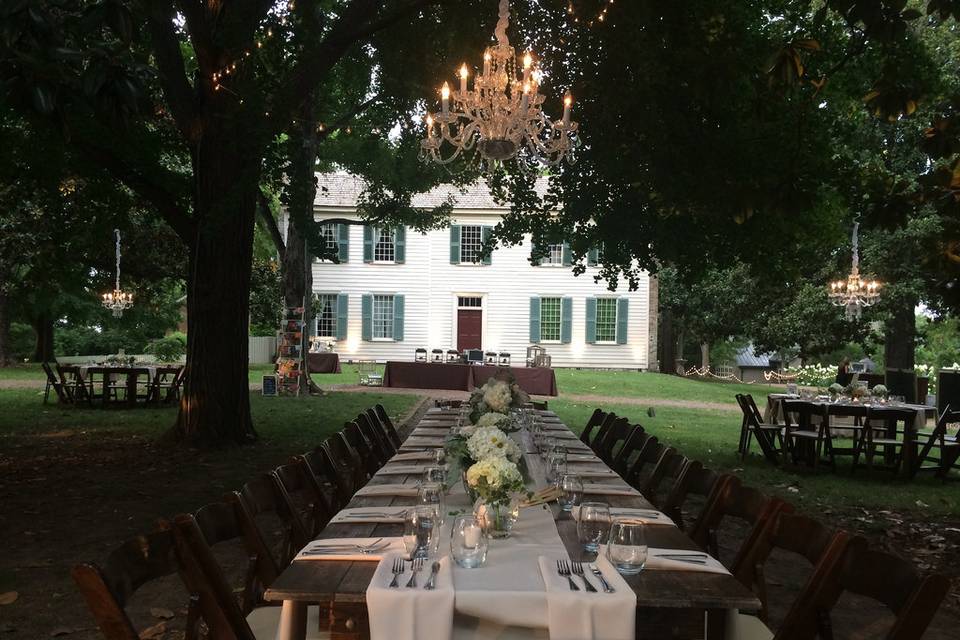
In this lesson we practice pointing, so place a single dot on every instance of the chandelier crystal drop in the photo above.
(502, 116)
(117, 300)
(854, 293)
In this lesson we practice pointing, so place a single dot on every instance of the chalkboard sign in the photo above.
(269, 386)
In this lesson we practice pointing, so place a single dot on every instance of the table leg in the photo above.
(293, 621)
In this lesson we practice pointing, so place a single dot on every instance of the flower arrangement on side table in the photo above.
(879, 391)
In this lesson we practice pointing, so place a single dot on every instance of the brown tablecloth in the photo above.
(325, 362)
(539, 381)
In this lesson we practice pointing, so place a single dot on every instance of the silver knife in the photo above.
(432, 580)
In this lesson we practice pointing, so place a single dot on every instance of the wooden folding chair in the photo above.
(631, 449)
(734, 500)
(804, 439)
(769, 436)
(347, 459)
(375, 435)
(885, 428)
(695, 481)
(107, 589)
(264, 498)
(56, 383)
(613, 438)
(947, 445)
(226, 619)
(665, 473)
(369, 456)
(651, 455)
(595, 420)
(816, 543)
(306, 496)
(381, 415)
(890, 580)
(336, 486)
(605, 424)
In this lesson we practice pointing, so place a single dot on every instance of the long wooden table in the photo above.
(670, 604)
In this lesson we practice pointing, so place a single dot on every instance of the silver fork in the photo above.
(417, 566)
(595, 570)
(398, 566)
(564, 570)
(578, 570)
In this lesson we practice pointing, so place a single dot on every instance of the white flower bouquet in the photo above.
(498, 395)
(490, 442)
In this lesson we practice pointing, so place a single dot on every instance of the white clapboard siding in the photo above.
(431, 285)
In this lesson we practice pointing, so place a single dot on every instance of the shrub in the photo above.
(169, 348)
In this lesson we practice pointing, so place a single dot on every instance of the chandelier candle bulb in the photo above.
(445, 97)
(486, 62)
(464, 72)
(567, 104)
(527, 63)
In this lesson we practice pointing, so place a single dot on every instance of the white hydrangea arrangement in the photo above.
(491, 442)
(879, 391)
(498, 395)
(494, 419)
(495, 479)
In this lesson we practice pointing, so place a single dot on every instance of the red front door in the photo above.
(469, 328)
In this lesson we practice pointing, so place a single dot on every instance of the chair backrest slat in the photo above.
(595, 420)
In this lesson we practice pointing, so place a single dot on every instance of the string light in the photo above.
(601, 16)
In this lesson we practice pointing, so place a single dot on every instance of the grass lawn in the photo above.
(711, 437)
(651, 385)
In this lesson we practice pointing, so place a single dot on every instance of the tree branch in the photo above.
(316, 61)
(163, 201)
(345, 119)
(173, 74)
(270, 223)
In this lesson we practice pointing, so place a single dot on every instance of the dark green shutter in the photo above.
(366, 317)
(367, 243)
(566, 320)
(533, 250)
(534, 320)
(343, 242)
(400, 245)
(622, 317)
(591, 320)
(454, 244)
(593, 256)
(487, 234)
(566, 255)
(342, 306)
(398, 318)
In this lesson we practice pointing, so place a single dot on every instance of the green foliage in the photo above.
(170, 348)
(939, 342)
(266, 297)
(22, 341)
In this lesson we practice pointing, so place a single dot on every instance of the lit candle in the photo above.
(486, 62)
(525, 100)
(527, 63)
(429, 125)
(445, 96)
(464, 72)
(471, 536)
(567, 103)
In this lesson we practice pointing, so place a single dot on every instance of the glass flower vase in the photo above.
(497, 517)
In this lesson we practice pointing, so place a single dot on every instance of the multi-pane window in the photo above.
(606, 320)
(550, 319)
(382, 317)
(384, 249)
(326, 309)
(471, 240)
(329, 234)
(470, 302)
(554, 255)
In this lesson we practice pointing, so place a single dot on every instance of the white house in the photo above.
(398, 290)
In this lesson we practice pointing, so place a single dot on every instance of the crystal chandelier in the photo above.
(854, 293)
(117, 300)
(501, 117)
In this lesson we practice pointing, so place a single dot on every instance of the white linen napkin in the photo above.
(599, 489)
(410, 614)
(584, 615)
(429, 432)
(582, 457)
(412, 455)
(655, 563)
(345, 552)
(647, 516)
(401, 469)
(422, 442)
(357, 515)
(594, 473)
(406, 490)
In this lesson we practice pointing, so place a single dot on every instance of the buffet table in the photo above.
(538, 381)
(323, 362)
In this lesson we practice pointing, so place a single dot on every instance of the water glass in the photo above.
(627, 546)
(421, 532)
(468, 542)
(556, 466)
(549, 444)
(439, 456)
(431, 494)
(435, 474)
(571, 487)
(593, 526)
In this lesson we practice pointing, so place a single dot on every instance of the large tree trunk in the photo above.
(43, 328)
(899, 349)
(215, 405)
(5, 356)
(705, 355)
(666, 343)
